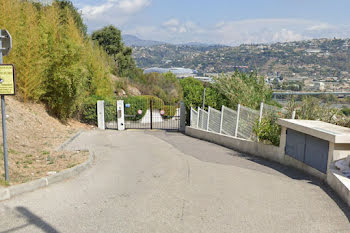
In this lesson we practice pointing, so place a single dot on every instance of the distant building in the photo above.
(319, 86)
(313, 50)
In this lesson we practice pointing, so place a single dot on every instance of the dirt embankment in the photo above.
(32, 137)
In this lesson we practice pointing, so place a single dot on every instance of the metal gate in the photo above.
(151, 114)
(110, 116)
(144, 114)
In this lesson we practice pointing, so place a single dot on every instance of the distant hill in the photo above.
(131, 40)
(316, 59)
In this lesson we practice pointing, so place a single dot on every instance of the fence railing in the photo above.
(237, 123)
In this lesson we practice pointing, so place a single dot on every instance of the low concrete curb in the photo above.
(63, 145)
(7, 193)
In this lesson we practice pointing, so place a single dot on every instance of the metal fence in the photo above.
(273, 110)
(194, 117)
(237, 123)
(229, 121)
(202, 119)
(247, 119)
(214, 120)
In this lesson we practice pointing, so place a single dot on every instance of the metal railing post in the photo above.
(208, 118)
(198, 117)
(222, 118)
(191, 115)
(237, 120)
(260, 116)
(261, 111)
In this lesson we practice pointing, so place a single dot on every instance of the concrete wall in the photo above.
(341, 151)
(257, 149)
(269, 152)
(338, 182)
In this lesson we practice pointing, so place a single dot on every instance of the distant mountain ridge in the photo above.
(131, 40)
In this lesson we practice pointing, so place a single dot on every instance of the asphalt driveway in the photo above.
(156, 181)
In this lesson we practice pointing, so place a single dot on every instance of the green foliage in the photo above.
(169, 111)
(63, 4)
(246, 89)
(268, 130)
(110, 39)
(193, 92)
(143, 103)
(136, 103)
(54, 61)
(346, 111)
(164, 86)
(88, 112)
(110, 109)
(312, 108)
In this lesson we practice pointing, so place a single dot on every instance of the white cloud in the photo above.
(320, 27)
(171, 23)
(116, 12)
(132, 6)
(286, 36)
(175, 26)
(241, 31)
(91, 12)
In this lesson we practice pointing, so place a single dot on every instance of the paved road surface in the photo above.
(162, 182)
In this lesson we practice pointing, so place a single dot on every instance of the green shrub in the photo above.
(143, 103)
(136, 103)
(268, 130)
(346, 111)
(88, 112)
(169, 111)
(110, 111)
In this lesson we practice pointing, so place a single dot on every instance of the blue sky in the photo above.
(222, 21)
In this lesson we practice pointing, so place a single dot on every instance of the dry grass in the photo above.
(33, 136)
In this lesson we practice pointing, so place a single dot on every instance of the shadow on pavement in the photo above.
(32, 219)
(203, 151)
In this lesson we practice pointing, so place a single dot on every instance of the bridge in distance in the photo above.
(340, 94)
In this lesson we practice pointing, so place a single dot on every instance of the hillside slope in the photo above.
(314, 58)
(33, 135)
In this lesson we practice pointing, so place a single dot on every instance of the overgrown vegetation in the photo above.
(309, 108)
(55, 61)
(164, 86)
(248, 89)
(268, 129)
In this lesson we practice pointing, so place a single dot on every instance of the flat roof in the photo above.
(319, 129)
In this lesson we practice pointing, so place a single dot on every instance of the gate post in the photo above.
(120, 115)
(182, 117)
(101, 114)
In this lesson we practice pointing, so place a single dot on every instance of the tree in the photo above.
(193, 92)
(110, 39)
(63, 4)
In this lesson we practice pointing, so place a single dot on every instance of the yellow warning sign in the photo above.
(7, 79)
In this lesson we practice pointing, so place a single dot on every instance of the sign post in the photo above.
(7, 87)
